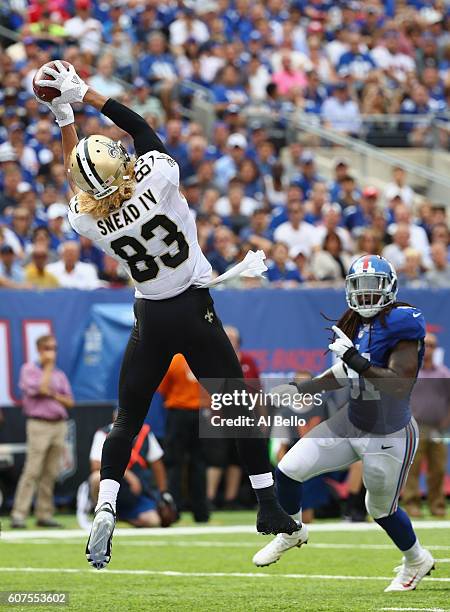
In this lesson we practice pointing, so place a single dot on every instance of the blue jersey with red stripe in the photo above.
(369, 408)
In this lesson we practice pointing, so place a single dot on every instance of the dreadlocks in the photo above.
(351, 320)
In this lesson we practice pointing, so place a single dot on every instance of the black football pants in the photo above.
(184, 324)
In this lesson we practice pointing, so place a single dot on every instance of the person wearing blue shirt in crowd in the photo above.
(226, 167)
(157, 66)
(341, 169)
(258, 234)
(308, 176)
(9, 268)
(280, 269)
(228, 89)
(174, 143)
(418, 104)
(356, 62)
(360, 216)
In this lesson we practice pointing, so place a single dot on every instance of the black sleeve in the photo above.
(144, 137)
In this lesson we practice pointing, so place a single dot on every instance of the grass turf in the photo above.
(223, 553)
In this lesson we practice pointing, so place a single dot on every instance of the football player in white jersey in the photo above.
(133, 209)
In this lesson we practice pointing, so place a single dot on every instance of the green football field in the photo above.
(343, 567)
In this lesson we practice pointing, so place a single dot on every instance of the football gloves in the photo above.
(71, 86)
(344, 348)
(63, 112)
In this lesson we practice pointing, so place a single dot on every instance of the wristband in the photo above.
(355, 360)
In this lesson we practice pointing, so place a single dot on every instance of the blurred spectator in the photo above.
(70, 271)
(146, 104)
(362, 215)
(9, 195)
(411, 275)
(103, 80)
(296, 231)
(395, 252)
(236, 74)
(257, 233)
(330, 221)
(84, 29)
(398, 187)
(46, 396)
(417, 235)
(439, 273)
(356, 62)
(280, 269)
(226, 167)
(10, 269)
(331, 263)
(181, 393)
(21, 226)
(430, 405)
(340, 112)
(223, 254)
(36, 272)
(113, 273)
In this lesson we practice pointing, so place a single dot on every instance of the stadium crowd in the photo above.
(249, 185)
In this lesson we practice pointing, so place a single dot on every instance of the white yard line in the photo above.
(421, 609)
(66, 534)
(177, 574)
(148, 542)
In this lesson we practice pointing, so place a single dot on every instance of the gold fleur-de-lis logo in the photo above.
(209, 316)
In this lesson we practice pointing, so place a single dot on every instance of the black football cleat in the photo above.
(272, 519)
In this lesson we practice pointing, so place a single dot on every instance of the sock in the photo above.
(414, 554)
(290, 494)
(108, 493)
(399, 528)
(261, 481)
(262, 485)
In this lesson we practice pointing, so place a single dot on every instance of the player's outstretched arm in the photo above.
(330, 380)
(397, 379)
(145, 138)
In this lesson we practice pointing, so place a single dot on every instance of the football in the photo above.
(46, 94)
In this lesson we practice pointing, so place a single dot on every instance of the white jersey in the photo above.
(153, 234)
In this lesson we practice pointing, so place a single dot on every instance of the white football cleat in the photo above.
(279, 545)
(409, 575)
(98, 548)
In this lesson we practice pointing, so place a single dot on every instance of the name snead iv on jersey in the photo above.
(154, 233)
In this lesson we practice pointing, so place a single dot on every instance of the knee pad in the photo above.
(288, 468)
(375, 479)
(381, 481)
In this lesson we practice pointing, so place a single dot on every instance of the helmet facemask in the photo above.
(369, 293)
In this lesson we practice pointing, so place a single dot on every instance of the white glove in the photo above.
(71, 86)
(63, 112)
(341, 344)
(283, 395)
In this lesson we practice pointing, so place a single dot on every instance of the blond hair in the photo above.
(98, 209)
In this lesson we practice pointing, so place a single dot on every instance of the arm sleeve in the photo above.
(144, 137)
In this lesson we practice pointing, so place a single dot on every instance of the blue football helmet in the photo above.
(370, 285)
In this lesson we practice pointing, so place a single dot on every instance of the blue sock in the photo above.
(289, 492)
(399, 529)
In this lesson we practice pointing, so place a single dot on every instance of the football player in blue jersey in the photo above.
(378, 344)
